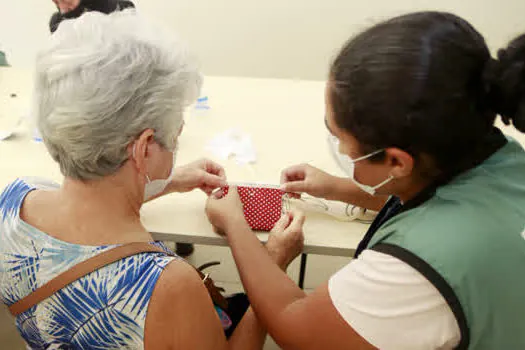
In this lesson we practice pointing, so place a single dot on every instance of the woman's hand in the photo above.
(225, 210)
(203, 174)
(308, 179)
(286, 241)
(317, 183)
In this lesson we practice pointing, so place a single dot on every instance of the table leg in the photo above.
(302, 270)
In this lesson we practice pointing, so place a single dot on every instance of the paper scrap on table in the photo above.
(7, 134)
(4, 134)
(233, 143)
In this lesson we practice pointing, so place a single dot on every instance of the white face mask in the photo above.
(347, 164)
(157, 186)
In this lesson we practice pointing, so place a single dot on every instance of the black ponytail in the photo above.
(508, 83)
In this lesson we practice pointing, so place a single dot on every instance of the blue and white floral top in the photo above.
(103, 310)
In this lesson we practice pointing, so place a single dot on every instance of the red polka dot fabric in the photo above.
(263, 206)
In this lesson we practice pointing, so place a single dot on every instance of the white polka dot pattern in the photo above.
(262, 206)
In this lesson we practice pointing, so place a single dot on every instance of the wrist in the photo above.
(179, 182)
(236, 223)
(278, 258)
(281, 261)
(173, 186)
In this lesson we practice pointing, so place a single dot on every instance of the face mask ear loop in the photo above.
(367, 156)
(388, 179)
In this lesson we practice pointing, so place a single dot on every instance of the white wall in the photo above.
(23, 26)
(265, 38)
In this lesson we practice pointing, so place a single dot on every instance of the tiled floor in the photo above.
(318, 271)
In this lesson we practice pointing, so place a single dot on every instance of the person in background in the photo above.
(110, 110)
(410, 109)
(3, 59)
(70, 9)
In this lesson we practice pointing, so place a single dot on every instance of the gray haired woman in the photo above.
(110, 95)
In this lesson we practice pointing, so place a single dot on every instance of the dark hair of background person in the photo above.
(104, 6)
(426, 83)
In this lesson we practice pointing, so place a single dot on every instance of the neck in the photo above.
(413, 191)
(106, 207)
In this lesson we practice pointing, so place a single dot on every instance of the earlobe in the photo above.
(139, 155)
(402, 163)
(134, 156)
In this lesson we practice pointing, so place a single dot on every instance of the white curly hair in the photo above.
(104, 79)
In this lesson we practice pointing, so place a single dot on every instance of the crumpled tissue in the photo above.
(233, 143)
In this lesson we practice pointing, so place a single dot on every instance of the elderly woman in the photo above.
(110, 96)
(71, 9)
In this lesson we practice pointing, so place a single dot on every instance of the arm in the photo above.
(306, 178)
(181, 315)
(295, 320)
(377, 297)
(202, 174)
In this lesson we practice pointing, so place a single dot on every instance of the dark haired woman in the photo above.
(410, 106)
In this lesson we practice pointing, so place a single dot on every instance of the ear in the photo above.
(401, 162)
(138, 150)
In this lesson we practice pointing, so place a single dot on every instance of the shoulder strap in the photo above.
(99, 261)
(437, 280)
(80, 270)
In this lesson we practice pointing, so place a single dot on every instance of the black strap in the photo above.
(390, 209)
(437, 280)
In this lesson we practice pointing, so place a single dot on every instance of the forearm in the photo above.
(344, 190)
(249, 334)
(269, 289)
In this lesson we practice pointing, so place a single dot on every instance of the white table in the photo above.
(285, 119)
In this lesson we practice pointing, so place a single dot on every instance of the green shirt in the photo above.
(3, 60)
(468, 239)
